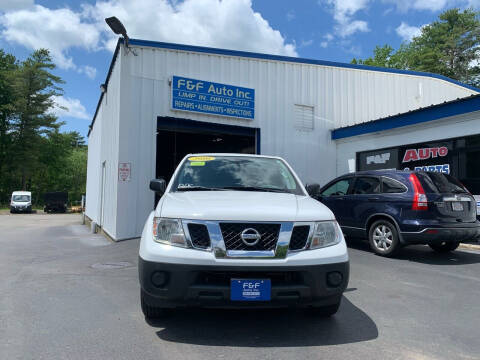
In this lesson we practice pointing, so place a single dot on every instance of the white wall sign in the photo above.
(351, 165)
(124, 172)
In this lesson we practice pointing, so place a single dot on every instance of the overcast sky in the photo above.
(82, 44)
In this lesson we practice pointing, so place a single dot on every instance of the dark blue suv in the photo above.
(395, 208)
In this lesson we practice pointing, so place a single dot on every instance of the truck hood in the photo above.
(241, 206)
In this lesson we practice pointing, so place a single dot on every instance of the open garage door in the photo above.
(179, 137)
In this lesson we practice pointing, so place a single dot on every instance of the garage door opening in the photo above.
(179, 137)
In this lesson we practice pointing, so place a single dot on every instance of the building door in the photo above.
(179, 137)
(102, 194)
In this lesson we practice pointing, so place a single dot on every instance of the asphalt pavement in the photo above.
(69, 294)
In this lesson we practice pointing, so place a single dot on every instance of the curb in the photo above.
(469, 246)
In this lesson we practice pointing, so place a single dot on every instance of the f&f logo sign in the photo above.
(378, 159)
(251, 285)
(423, 154)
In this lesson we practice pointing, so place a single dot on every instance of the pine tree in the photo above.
(35, 87)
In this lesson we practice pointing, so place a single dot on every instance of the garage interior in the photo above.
(179, 137)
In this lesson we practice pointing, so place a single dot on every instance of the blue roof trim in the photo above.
(436, 112)
(209, 50)
(247, 54)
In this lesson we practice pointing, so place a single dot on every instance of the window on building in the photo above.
(304, 119)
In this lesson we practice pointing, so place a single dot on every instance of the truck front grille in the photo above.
(199, 235)
(299, 237)
(223, 278)
(231, 236)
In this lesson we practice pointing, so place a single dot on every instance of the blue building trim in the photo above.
(436, 112)
(246, 54)
(209, 50)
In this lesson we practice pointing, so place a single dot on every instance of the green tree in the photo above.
(35, 87)
(8, 66)
(76, 173)
(381, 57)
(62, 166)
(449, 46)
(34, 154)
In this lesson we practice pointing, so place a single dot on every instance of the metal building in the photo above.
(161, 101)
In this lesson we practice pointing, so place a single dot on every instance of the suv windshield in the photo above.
(443, 183)
(21, 198)
(235, 173)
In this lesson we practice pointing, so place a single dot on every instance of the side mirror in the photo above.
(158, 185)
(313, 190)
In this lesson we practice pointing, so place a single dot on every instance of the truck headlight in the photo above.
(169, 231)
(326, 233)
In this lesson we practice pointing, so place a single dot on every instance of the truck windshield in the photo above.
(204, 173)
(21, 198)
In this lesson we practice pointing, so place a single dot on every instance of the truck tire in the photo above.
(383, 238)
(149, 311)
(325, 311)
(444, 247)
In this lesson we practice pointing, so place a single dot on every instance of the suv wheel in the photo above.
(151, 312)
(444, 246)
(383, 238)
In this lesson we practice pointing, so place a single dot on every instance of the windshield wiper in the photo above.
(254, 188)
(199, 188)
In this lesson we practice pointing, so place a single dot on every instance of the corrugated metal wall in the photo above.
(339, 97)
(103, 148)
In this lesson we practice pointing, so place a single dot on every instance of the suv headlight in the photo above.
(169, 231)
(326, 233)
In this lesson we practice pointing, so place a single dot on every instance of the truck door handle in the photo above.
(373, 198)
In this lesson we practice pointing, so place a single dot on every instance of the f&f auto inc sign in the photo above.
(212, 98)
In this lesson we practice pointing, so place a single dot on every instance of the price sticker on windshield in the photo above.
(201, 158)
(197, 163)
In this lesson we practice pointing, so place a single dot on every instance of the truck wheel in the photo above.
(383, 238)
(325, 311)
(151, 312)
(444, 247)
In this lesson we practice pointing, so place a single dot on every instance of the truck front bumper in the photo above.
(169, 285)
(17, 208)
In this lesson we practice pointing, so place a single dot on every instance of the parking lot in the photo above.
(69, 294)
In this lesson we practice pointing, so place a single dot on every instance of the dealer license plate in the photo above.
(457, 206)
(250, 289)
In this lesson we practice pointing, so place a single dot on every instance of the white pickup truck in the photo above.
(236, 230)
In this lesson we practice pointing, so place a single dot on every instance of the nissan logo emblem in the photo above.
(250, 237)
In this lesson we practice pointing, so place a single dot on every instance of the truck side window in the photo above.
(391, 186)
(366, 185)
(339, 188)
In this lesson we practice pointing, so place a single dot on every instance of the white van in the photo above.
(21, 202)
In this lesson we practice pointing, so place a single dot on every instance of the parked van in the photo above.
(21, 202)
